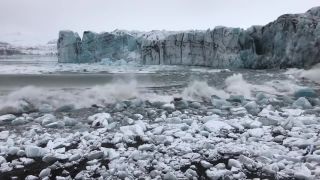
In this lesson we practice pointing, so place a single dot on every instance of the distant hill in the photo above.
(49, 49)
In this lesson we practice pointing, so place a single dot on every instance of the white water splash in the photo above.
(312, 74)
(236, 85)
(199, 90)
(38, 97)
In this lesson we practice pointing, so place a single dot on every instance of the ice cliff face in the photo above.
(293, 40)
(93, 47)
(68, 47)
(221, 47)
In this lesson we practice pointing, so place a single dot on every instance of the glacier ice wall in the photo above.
(293, 40)
(93, 47)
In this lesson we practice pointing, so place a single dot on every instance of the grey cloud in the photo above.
(46, 17)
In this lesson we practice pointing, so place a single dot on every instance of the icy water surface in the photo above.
(124, 120)
(17, 73)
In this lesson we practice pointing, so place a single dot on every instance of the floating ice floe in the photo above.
(34, 151)
(302, 103)
(306, 92)
(7, 118)
(215, 126)
(99, 120)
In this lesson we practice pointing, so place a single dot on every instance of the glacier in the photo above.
(293, 40)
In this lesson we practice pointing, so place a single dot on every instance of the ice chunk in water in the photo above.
(100, 119)
(46, 119)
(34, 151)
(302, 103)
(2, 160)
(237, 98)
(306, 92)
(262, 98)
(45, 173)
(134, 130)
(4, 135)
(252, 107)
(257, 132)
(216, 126)
(7, 118)
(220, 103)
(19, 121)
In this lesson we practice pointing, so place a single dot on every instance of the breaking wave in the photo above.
(119, 90)
(200, 90)
(312, 74)
(40, 97)
(236, 85)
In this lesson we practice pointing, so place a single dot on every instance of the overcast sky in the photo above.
(42, 19)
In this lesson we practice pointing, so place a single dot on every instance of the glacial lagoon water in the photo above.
(43, 72)
(83, 85)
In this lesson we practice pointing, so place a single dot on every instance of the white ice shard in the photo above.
(34, 151)
(7, 118)
(2, 160)
(4, 135)
(215, 126)
(100, 119)
(134, 130)
(45, 173)
(302, 103)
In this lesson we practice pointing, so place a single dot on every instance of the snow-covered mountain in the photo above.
(49, 49)
(18, 43)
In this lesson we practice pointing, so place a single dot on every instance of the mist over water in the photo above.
(312, 74)
(238, 86)
(200, 90)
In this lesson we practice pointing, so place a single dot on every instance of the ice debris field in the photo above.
(203, 132)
